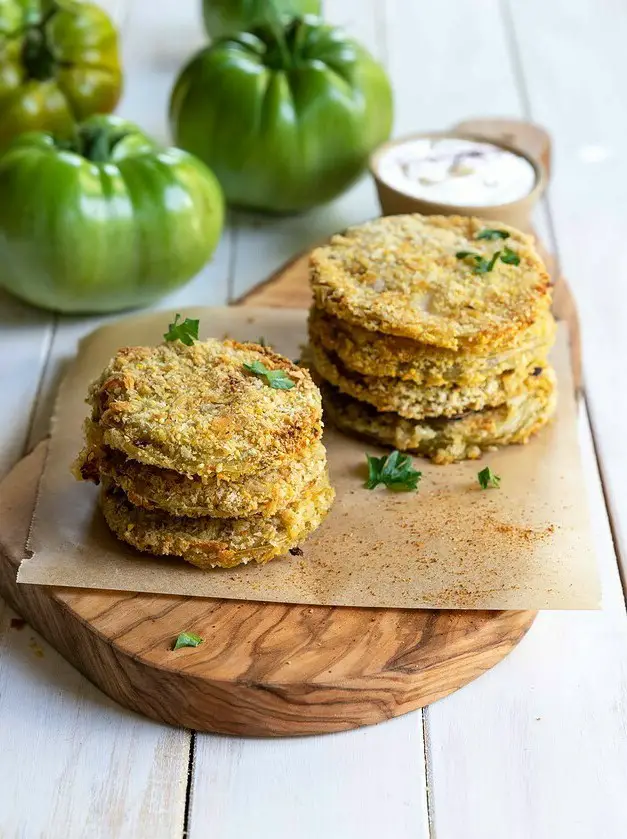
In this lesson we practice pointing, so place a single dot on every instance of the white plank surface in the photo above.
(586, 111)
(538, 746)
(448, 61)
(356, 785)
(72, 762)
(159, 37)
(25, 335)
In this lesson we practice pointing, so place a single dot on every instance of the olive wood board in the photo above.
(264, 669)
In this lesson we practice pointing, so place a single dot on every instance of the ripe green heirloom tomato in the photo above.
(223, 17)
(286, 117)
(103, 222)
(58, 64)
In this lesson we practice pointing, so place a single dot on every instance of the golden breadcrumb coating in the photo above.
(376, 354)
(449, 440)
(210, 542)
(400, 275)
(263, 492)
(198, 411)
(414, 401)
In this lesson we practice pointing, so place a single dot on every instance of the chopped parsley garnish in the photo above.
(394, 470)
(510, 257)
(186, 332)
(262, 341)
(187, 639)
(491, 235)
(487, 478)
(481, 265)
(275, 378)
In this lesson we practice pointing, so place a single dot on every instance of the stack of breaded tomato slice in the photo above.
(210, 452)
(431, 334)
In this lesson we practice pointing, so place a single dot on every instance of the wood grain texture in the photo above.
(264, 669)
(72, 761)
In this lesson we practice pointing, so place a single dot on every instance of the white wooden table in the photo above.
(537, 748)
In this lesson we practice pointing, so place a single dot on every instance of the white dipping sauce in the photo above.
(457, 172)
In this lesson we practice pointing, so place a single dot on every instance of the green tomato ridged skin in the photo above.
(223, 17)
(80, 236)
(284, 124)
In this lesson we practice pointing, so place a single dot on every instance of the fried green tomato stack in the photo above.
(431, 334)
(199, 456)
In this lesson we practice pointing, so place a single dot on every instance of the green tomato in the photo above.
(59, 63)
(104, 222)
(223, 17)
(286, 117)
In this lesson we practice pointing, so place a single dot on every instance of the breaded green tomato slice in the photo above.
(376, 354)
(210, 542)
(152, 487)
(201, 409)
(449, 440)
(388, 393)
(402, 275)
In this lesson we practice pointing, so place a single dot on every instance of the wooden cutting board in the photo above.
(347, 667)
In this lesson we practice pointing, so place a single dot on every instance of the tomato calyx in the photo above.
(37, 57)
(95, 142)
(280, 42)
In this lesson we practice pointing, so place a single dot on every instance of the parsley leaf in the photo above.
(509, 257)
(277, 379)
(186, 332)
(487, 478)
(491, 235)
(480, 265)
(394, 470)
(490, 265)
(187, 639)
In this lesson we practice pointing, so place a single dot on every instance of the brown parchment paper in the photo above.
(526, 545)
